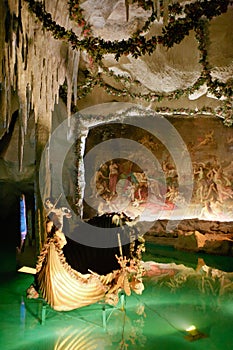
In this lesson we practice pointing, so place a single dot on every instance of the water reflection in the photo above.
(123, 331)
(161, 315)
(206, 279)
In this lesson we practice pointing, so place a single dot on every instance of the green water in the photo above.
(155, 320)
(168, 254)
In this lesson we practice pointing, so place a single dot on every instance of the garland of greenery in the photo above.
(215, 87)
(137, 45)
(193, 16)
(77, 151)
(76, 14)
(224, 111)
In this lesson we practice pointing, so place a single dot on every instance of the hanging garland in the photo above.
(182, 19)
(214, 86)
(137, 45)
(76, 14)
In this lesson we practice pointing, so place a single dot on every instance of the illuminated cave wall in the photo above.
(209, 145)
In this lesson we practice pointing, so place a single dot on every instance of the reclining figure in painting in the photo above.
(70, 275)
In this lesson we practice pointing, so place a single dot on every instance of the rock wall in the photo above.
(212, 237)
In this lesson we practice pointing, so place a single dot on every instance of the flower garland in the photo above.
(182, 19)
(137, 45)
(214, 86)
(76, 14)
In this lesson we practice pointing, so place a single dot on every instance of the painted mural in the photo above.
(124, 185)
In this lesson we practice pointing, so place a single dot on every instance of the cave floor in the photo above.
(157, 319)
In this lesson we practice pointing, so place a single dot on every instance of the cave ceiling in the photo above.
(173, 57)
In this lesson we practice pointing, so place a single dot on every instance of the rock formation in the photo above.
(52, 67)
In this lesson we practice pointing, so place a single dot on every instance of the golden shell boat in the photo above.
(62, 285)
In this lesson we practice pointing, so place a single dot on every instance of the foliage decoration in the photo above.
(136, 45)
(76, 14)
(182, 19)
(215, 87)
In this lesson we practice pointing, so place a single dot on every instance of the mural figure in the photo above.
(106, 206)
(142, 192)
(113, 177)
(201, 182)
(211, 210)
(220, 184)
(148, 142)
(171, 194)
(170, 172)
(100, 182)
(208, 139)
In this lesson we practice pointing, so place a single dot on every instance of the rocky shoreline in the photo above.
(212, 237)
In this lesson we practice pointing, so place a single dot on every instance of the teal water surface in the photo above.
(155, 320)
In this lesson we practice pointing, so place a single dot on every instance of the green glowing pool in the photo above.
(181, 290)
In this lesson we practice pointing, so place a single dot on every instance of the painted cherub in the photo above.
(208, 139)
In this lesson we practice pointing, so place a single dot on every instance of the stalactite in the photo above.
(13, 62)
(7, 92)
(75, 75)
(32, 69)
(69, 99)
(71, 70)
(155, 5)
(158, 9)
(165, 11)
(47, 160)
(8, 103)
(28, 98)
(4, 104)
(22, 85)
(21, 140)
(127, 9)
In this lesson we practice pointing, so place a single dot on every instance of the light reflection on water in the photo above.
(181, 289)
(168, 254)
